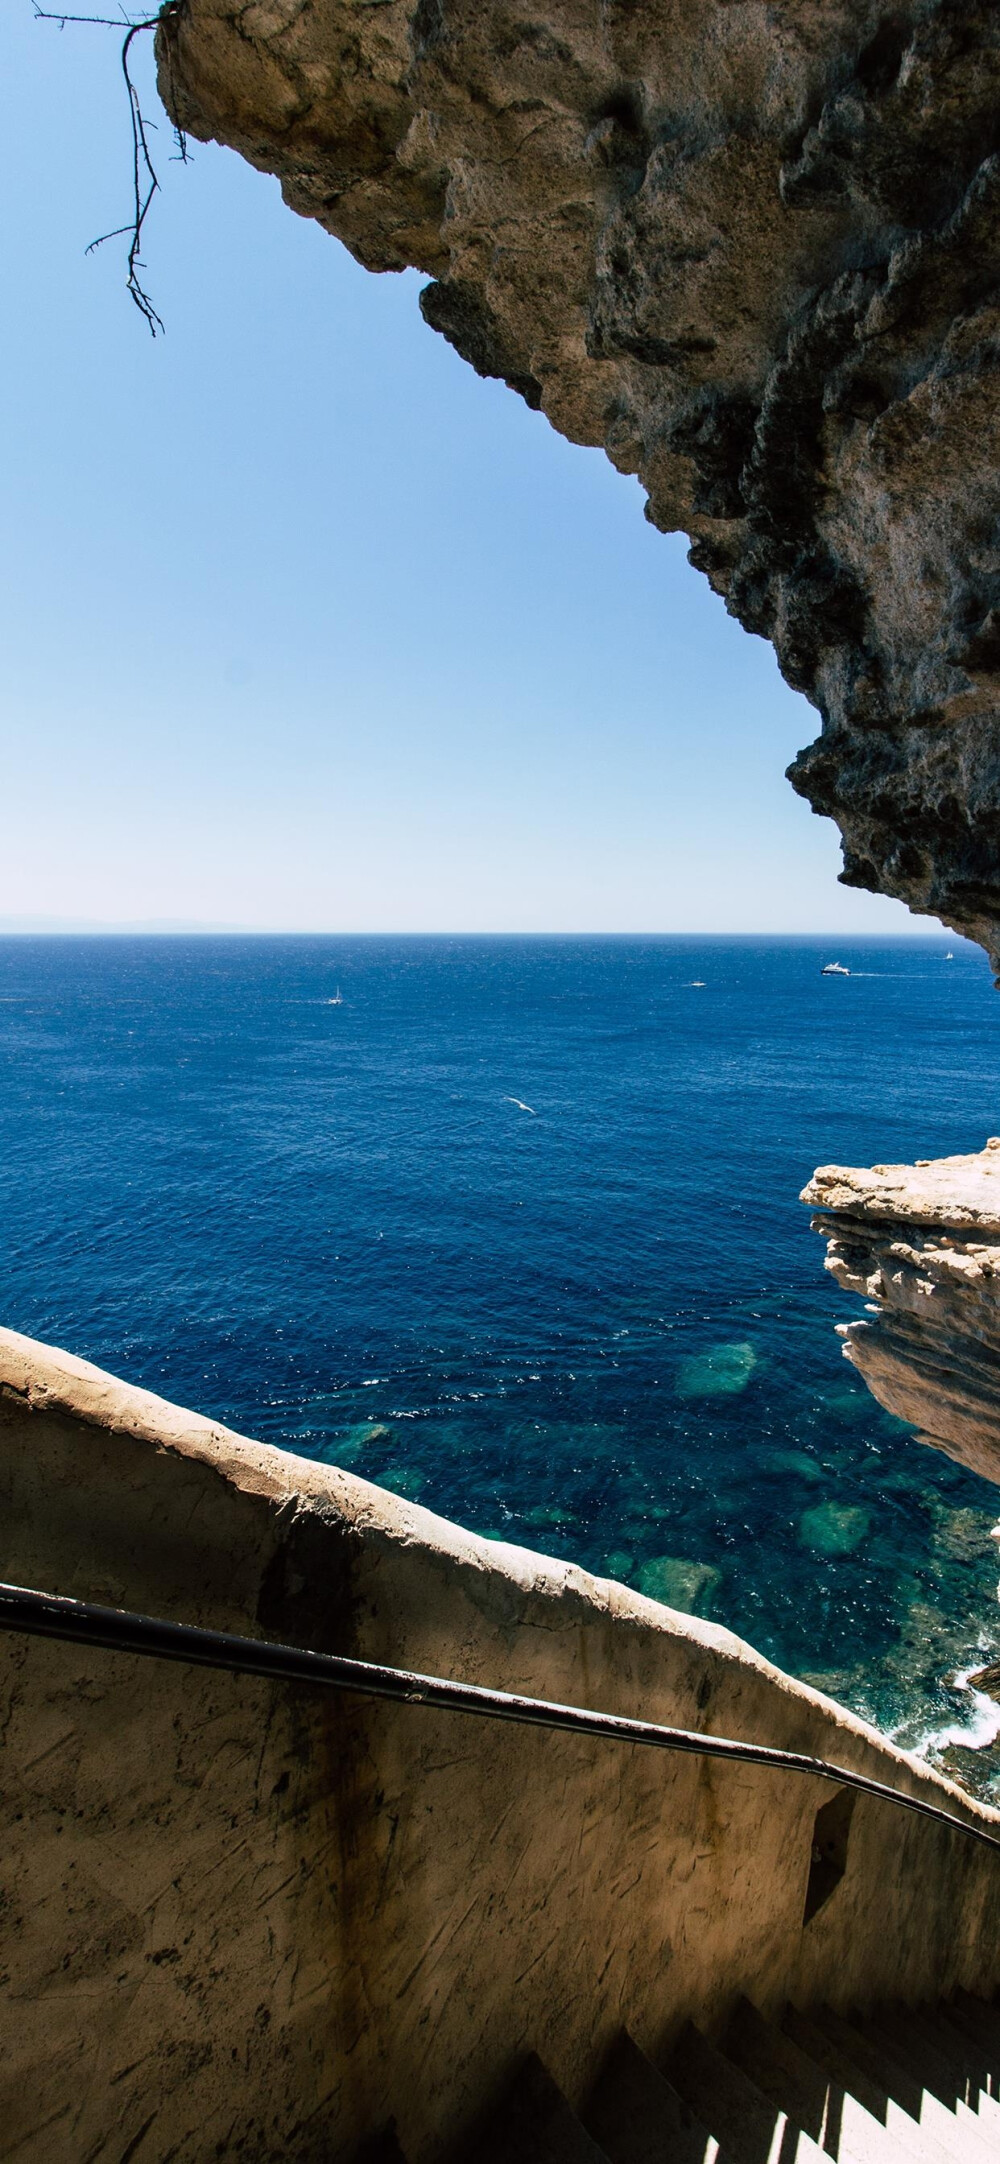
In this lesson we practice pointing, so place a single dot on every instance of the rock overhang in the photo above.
(752, 248)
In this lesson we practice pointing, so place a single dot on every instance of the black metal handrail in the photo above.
(52, 1615)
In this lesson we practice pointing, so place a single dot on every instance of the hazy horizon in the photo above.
(28, 927)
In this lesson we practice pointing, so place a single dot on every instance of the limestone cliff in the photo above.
(753, 248)
(921, 1243)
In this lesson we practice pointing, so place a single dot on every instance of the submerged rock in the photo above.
(754, 252)
(679, 1583)
(796, 1462)
(374, 1437)
(834, 1528)
(406, 1481)
(718, 1373)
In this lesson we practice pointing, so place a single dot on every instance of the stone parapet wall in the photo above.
(252, 1921)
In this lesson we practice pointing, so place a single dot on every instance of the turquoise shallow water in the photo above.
(513, 1229)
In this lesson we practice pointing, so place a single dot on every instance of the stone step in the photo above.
(904, 2090)
(917, 2043)
(944, 2058)
(900, 2085)
(380, 2148)
(961, 2043)
(810, 2095)
(979, 2018)
(747, 2125)
(984, 2046)
(814, 2038)
(637, 2117)
(534, 2124)
(942, 2105)
(967, 2031)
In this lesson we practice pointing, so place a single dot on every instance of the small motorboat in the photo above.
(834, 969)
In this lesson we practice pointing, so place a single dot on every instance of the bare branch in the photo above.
(145, 183)
(115, 234)
(105, 22)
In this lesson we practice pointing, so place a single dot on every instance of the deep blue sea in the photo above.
(513, 1229)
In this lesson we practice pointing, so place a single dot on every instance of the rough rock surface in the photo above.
(921, 1243)
(753, 248)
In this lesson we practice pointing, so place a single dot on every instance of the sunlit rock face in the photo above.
(754, 251)
(921, 1244)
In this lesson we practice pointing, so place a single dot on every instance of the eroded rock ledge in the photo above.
(754, 251)
(921, 1244)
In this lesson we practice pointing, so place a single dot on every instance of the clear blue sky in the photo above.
(304, 626)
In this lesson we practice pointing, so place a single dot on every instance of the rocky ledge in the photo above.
(921, 1244)
(752, 247)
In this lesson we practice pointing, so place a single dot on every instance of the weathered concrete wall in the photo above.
(751, 247)
(251, 1922)
(921, 1244)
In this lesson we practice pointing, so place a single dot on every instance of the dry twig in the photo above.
(145, 182)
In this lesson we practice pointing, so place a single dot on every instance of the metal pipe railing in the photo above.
(52, 1615)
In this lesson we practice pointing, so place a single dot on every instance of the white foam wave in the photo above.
(980, 1728)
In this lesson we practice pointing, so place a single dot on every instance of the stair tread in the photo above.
(915, 2065)
(638, 2117)
(985, 2009)
(381, 2148)
(984, 2054)
(979, 2061)
(961, 2044)
(977, 2019)
(748, 2125)
(534, 2124)
(981, 2066)
(897, 2085)
(947, 2059)
(904, 2090)
(917, 2045)
(913, 2140)
(810, 2094)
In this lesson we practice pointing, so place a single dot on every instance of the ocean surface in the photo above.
(513, 1228)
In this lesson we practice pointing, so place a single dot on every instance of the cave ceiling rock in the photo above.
(752, 248)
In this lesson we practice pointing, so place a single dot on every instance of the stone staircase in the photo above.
(918, 2086)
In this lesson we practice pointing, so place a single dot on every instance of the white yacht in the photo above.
(834, 969)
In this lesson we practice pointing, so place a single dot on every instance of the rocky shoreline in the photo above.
(920, 1244)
